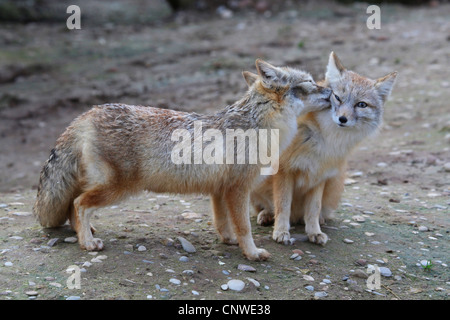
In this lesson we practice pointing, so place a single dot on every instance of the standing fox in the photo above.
(115, 150)
(311, 176)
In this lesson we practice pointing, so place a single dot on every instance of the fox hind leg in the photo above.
(84, 206)
(222, 219)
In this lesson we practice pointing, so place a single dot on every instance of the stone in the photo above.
(360, 274)
(348, 241)
(175, 281)
(308, 278)
(423, 228)
(52, 242)
(236, 285)
(358, 218)
(71, 240)
(385, 272)
(142, 248)
(320, 294)
(254, 282)
(187, 246)
(183, 259)
(8, 264)
(31, 293)
(224, 287)
(309, 288)
(244, 267)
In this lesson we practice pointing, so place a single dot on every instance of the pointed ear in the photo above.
(268, 73)
(249, 77)
(385, 84)
(335, 69)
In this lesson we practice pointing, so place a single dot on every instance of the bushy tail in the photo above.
(57, 186)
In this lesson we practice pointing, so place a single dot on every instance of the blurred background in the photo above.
(189, 54)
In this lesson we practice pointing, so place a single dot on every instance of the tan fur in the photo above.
(310, 182)
(115, 150)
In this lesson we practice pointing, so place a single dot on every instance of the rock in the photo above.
(187, 246)
(16, 238)
(348, 241)
(99, 258)
(236, 285)
(295, 257)
(349, 181)
(244, 267)
(358, 218)
(309, 288)
(21, 214)
(327, 281)
(55, 284)
(361, 262)
(87, 264)
(224, 12)
(385, 272)
(175, 281)
(31, 293)
(71, 239)
(52, 242)
(195, 293)
(8, 264)
(142, 248)
(168, 242)
(188, 272)
(360, 274)
(183, 259)
(308, 278)
(190, 215)
(320, 294)
(224, 287)
(254, 282)
(382, 164)
(73, 298)
(423, 228)
(447, 166)
(298, 251)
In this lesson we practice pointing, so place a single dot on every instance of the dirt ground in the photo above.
(399, 179)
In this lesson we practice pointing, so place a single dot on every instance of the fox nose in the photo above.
(342, 119)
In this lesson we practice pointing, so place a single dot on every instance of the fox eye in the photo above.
(337, 98)
(361, 104)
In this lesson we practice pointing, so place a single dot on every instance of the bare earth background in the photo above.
(192, 60)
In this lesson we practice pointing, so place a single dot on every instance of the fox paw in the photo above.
(281, 236)
(258, 255)
(264, 218)
(95, 244)
(318, 238)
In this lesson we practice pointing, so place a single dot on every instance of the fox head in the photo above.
(288, 86)
(357, 102)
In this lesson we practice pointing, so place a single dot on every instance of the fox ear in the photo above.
(249, 77)
(385, 84)
(269, 73)
(334, 68)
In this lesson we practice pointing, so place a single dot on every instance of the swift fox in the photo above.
(113, 151)
(310, 180)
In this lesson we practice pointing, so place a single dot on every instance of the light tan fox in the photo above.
(310, 180)
(114, 151)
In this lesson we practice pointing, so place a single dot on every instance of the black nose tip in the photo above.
(342, 119)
